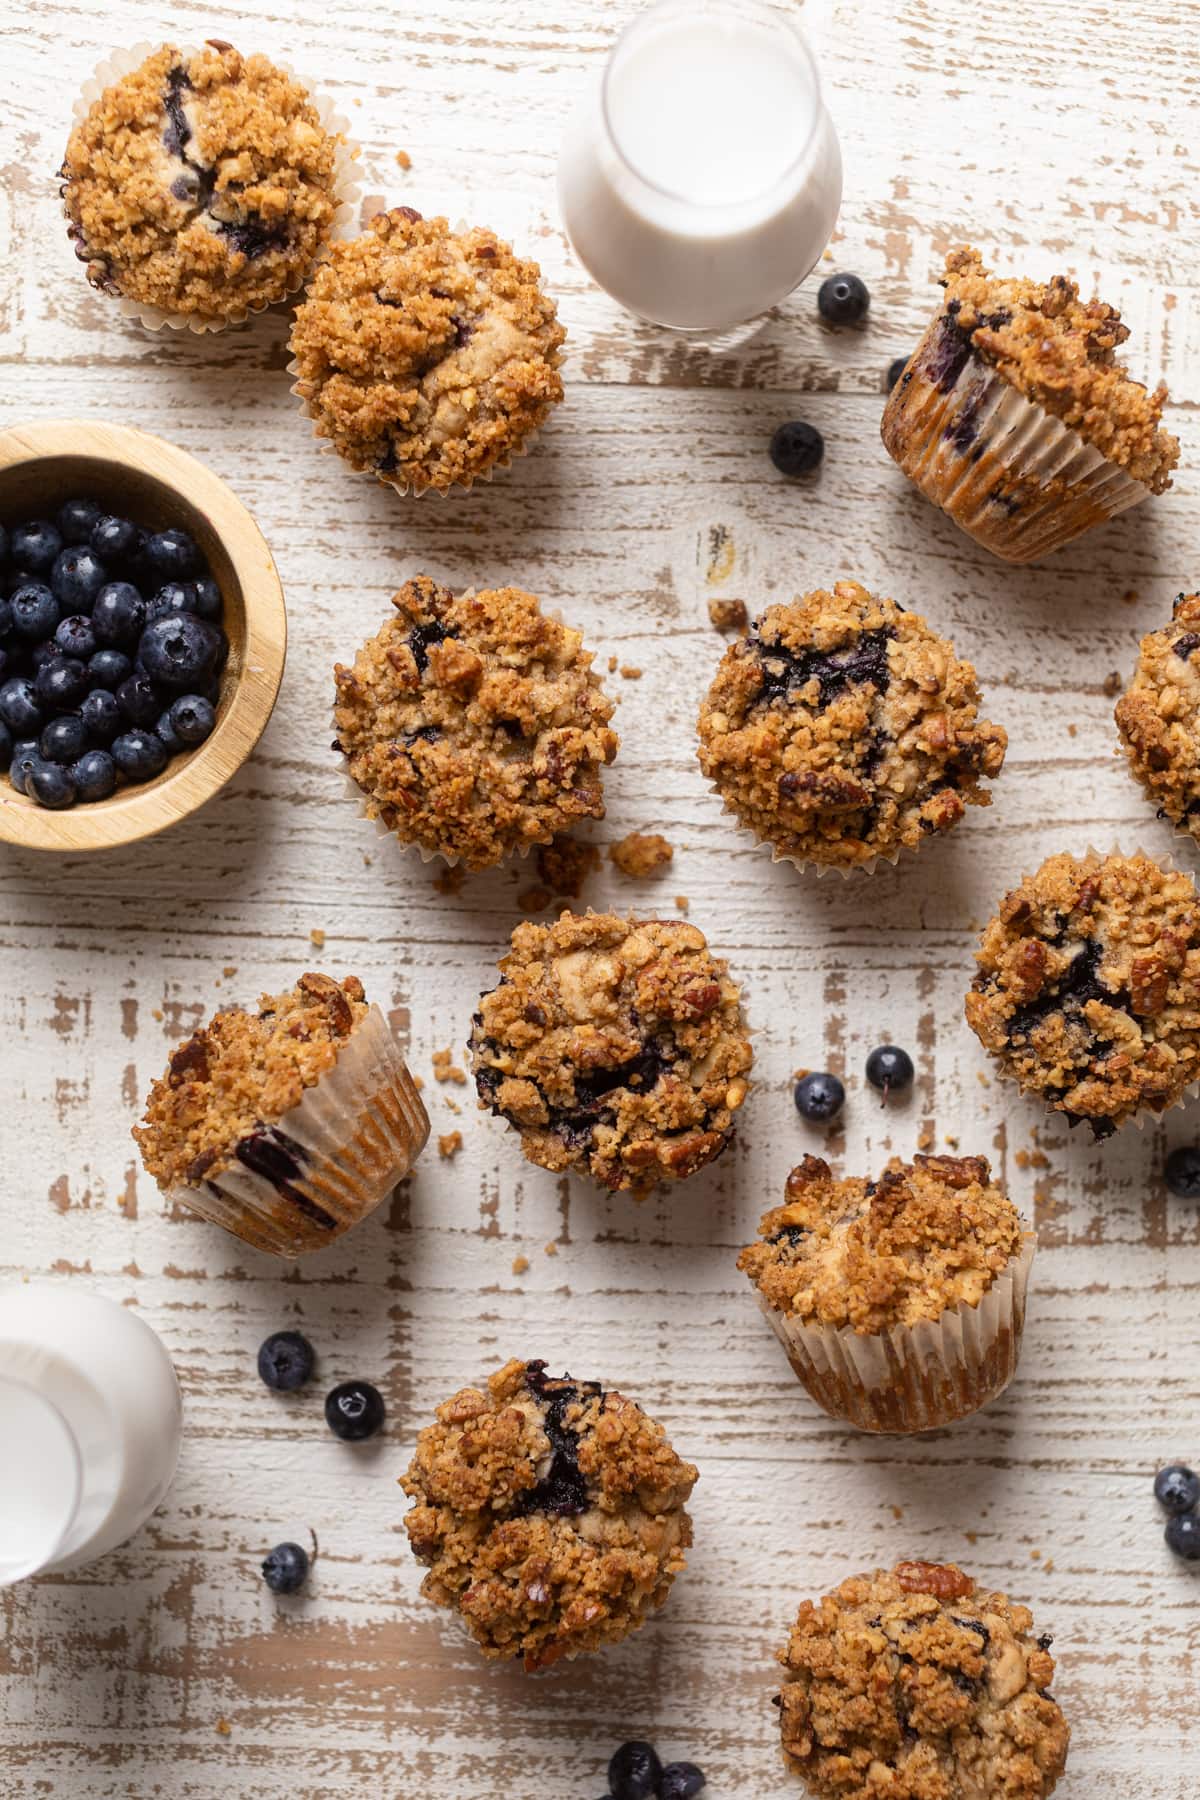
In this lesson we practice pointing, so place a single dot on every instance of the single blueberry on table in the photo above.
(354, 1410)
(24, 755)
(1183, 1536)
(64, 739)
(192, 719)
(890, 1069)
(118, 614)
(680, 1781)
(172, 554)
(115, 540)
(285, 1361)
(77, 577)
(797, 447)
(50, 785)
(1177, 1488)
(102, 717)
(77, 520)
(634, 1772)
(108, 668)
(94, 775)
(6, 746)
(19, 707)
(285, 1568)
(895, 370)
(843, 299)
(819, 1096)
(75, 636)
(35, 545)
(180, 650)
(208, 597)
(61, 684)
(174, 597)
(139, 699)
(139, 754)
(1181, 1172)
(35, 612)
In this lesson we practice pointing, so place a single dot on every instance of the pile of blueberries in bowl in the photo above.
(111, 652)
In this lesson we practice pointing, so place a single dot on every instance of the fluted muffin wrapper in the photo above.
(327, 1162)
(1009, 473)
(808, 864)
(346, 187)
(914, 1377)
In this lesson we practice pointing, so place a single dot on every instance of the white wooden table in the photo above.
(1056, 136)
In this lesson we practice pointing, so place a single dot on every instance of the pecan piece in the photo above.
(190, 1059)
(1029, 969)
(942, 1580)
(1149, 981)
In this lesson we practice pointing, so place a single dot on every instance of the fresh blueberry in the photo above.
(285, 1568)
(175, 597)
(819, 1096)
(77, 578)
(797, 448)
(119, 613)
(172, 554)
(18, 706)
(35, 612)
(102, 716)
(634, 1772)
(94, 775)
(75, 637)
(24, 755)
(108, 668)
(208, 597)
(7, 664)
(64, 739)
(1183, 1536)
(35, 545)
(192, 719)
(354, 1410)
(139, 754)
(61, 684)
(139, 699)
(843, 299)
(1176, 1488)
(680, 1781)
(50, 785)
(180, 650)
(890, 1069)
(77, 520)
(895, 370)
(43, 653)
(285, 1360)
(1181, 1172)
(166, 734)
(6, 746)
(115, 540)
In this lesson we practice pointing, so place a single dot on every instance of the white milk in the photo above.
(90, 1421)
(700, 180)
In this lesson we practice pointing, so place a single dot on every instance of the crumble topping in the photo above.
(1159, 716)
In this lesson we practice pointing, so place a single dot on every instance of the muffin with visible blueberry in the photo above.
(914, 1683)
(843, 729)
(900, 1302)
(289, 1124)
(1158, 717)
(473, 724)
(614, 1047)
(1016, 417)
(1088, 987)
(426, 356)
(550, 1513)
(200, 186)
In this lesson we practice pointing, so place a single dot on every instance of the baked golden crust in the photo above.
(424, 355)
(928, 1235)
(910, 1684)
(1088, 990)
(842, 728)
(240, 1071)
(474, 724)
(1060, 352)
(201, 185)
(1159, 716)
(549, 1512)
(614, 1047)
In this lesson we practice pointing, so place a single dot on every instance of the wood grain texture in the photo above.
(1054, 136)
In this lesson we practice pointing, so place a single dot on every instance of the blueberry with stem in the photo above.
(890, 1069)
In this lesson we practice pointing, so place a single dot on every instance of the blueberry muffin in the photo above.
(549, 1512)
(842, 729)
(287, 1125)
(614, 1047)
(426, 356)
(1159, 717)
(1015, 416)
(900, 1302)
(201, 186)
(914, 1684)
(473, 725)
(1088, 990)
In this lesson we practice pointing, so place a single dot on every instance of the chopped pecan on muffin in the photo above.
(550, 1513)
(614, 1047)
(1159, 716)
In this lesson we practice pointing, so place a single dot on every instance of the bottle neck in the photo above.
(40, 1482)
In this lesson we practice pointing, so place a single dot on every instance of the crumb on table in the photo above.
(630, 672)
(520, 1265)
(728, 615)
(317, 938)
(449, 1145)
(223, 1727)
(404, 159)
(551, 1249)
(1112, 683)
(446, 1069)
(682, 902)
(417, 1083)
(640, 854)
(612, 665)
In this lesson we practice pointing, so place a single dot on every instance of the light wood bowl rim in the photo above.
(139, 812)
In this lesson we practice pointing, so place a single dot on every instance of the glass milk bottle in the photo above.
(90, 1418)
(700, 178)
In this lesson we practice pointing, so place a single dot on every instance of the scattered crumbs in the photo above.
(728, 615)
(446, 1069)
(681, 901)
(972, 1537)
(520, 1265)
(925, 1138)
(1048, 1565)
(612, 665)
(157, 1014)
(229, 970)
(1031, 1159)
(827, 255)
(449, 1145)
(367, 860)
(1111, 683)
(417, 1083)
(1036, 1555)
(565, 863)
(951, 1141)
(450, 880)
(982, 1079)
(534, 899)
(1072, 728)
(404, 159)
(630, 673)
(224, 1727)
(551, 1248)
(1130, 597)
(452, 1106)
(316, 938)
(357, 100)
(897, 1512)
(640, 854)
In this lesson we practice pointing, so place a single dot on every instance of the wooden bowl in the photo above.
(152, 482)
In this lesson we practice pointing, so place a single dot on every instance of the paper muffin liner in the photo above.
(346, 186)
(1009, 473)
(914, 1377)
(809, 864)
(330, 1160)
